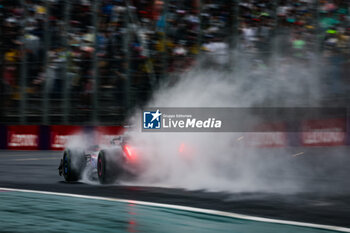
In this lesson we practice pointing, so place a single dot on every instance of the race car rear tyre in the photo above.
(73, 165)
(108, 167)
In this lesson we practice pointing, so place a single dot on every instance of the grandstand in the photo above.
(93, 61)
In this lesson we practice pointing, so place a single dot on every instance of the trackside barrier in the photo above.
(273, 139)
(328, 132)
(3, 137)
(324, 132)
(60, 135)
(275, 136)
(24, 137)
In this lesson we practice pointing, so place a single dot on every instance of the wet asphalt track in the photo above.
(37, 170)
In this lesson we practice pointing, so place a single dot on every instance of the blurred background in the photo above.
(93, 61)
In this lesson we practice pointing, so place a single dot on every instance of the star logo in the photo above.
(156, 115)
(152, 120)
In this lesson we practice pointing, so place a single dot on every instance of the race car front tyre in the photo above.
(108, 167)
(73, 164)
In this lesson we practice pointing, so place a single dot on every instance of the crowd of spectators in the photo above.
(139, 42)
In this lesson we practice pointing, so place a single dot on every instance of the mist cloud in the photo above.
(222, 161)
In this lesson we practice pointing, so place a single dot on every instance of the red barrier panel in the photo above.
(61, 134)
(268, 135)
(273, 139)
(23, 137)
(104, 134)
(329, 132)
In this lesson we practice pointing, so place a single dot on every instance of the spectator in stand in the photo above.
(159, 42)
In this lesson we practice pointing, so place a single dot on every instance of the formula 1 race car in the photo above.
(105, 165)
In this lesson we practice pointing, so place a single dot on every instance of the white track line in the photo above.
(34, 159)
(191, 209)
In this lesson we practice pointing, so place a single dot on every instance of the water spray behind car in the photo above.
(221, 161)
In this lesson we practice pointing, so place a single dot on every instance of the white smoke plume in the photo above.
(221, 161)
